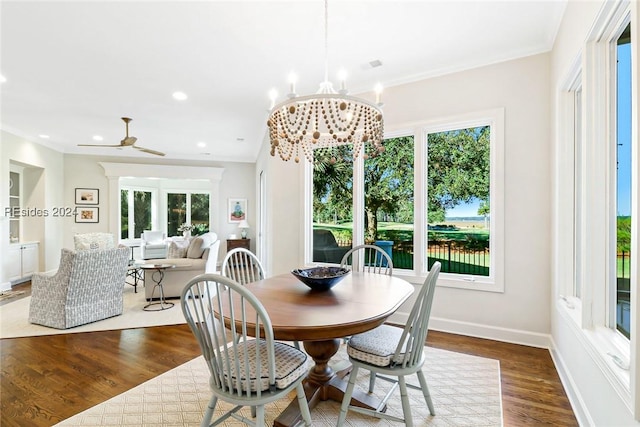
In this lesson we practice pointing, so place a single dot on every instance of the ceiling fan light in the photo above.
(179, 96)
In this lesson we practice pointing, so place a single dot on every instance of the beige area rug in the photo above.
(465, 391)
(14, 318)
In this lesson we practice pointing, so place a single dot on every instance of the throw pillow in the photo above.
(93, 241)
(178, 249)
(199, 244)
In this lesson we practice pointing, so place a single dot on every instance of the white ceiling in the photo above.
(73, 69)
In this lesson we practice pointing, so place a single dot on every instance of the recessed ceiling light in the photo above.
(2, 78)
(44, 136)
(201, 144)
(375, 63)
(97, 138)
(180, 96)
(240, 139)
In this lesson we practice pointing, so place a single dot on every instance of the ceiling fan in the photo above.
(128, 141)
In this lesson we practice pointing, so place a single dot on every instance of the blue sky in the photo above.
(624, 129)
(468, 209)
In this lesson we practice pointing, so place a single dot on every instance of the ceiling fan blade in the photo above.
(147, 150)
(98, 145)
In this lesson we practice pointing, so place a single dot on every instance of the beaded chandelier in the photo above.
(327, 119)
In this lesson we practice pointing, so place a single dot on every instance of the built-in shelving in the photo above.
(14, 204)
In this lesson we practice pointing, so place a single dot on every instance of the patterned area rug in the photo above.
(14, 318)
(465, 391)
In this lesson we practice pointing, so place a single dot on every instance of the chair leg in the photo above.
(404, 396)
(259, 415)
(253, 412)
(425, 391)
(304, 405)
(347, 396)
(208, 413)
(372, 381)
(296, 344)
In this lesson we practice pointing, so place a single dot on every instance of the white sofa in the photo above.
(201, 255)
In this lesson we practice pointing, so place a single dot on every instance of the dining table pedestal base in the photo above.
(323, 383)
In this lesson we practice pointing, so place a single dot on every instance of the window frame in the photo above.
(590, 314)
(419, 130)
(493, 118)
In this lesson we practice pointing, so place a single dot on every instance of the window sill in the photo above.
(606, 347)
(468, 282)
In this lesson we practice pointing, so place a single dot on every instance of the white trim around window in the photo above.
(493, 118)
(585, 231)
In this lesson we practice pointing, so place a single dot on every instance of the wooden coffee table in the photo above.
(360, 302)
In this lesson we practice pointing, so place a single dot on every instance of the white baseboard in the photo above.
(580, 410)
(5, 286)
(513, 336)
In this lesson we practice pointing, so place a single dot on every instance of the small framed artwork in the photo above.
(86, 196)
(237, 210)
(85, 214)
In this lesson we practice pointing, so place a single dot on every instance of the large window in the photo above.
(332, 204)
(458, 209)
(621, 256)
(433, 195)
(389, 200)
(136, 207)
(595, 155)
(190, 208)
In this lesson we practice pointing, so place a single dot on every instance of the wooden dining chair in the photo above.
(244, 267)
(368, 258)
(248, 372)
(394, 352)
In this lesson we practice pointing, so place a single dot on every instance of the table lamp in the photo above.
(243, 228)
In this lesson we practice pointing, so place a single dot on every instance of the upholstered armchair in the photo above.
(87, 287)
(153, 245)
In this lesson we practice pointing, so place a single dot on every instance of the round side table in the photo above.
(157, 274)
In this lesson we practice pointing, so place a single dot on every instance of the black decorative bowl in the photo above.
(320, 278)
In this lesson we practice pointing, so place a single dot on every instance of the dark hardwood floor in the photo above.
(47, 379)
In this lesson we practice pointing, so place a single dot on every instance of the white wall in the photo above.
(284, 188)
(47, 183)
(521, 313)
(86, 172)
(54, 186)
(594, 398)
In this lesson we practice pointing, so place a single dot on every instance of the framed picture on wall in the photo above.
(237, 210)
(87, 196)
(85, 214)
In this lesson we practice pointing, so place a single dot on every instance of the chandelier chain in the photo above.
(326, 40)
(326, 120)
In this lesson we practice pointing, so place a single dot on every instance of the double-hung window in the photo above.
(596, 139)
(187, 207)
(137, 211)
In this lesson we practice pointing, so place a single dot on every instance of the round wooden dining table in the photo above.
(320, 319)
